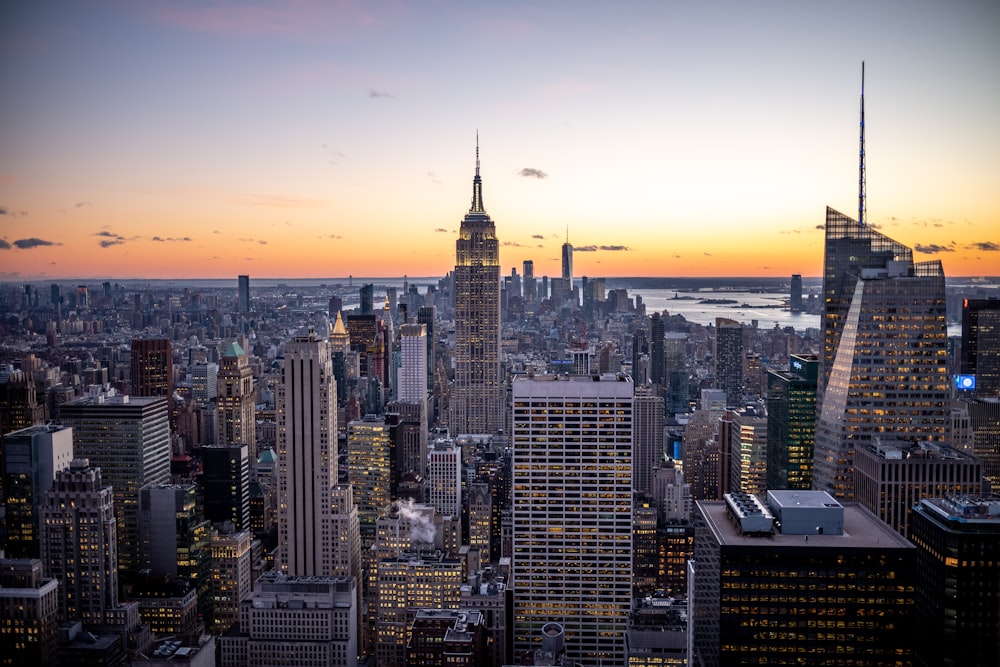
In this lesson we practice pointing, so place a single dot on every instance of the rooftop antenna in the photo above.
(477, 185)
(862, 203)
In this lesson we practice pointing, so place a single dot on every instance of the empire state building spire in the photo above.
(477, 186)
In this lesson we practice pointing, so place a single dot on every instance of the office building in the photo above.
(306, 405)
(225, 484)
(791, 423)
(406, 584)
(231, 581)
(78, 543)
(768, 584)
(958, 594)
(984, 429)
(795, 296)
(128, 438)
(412, 379)
(480, 502)
(657, 632)
(243, 295)
(204, 381)
(19, 406)
(369, 467)
(567, 265)
(176, 541)
(981, 345)
(477, 399)
(747, 450)
(448, 638)
(235, 422)
(657, 350)
(152, 367)
(445, 478)
(676, 376)
(729, 360)
(883, 372)
(294, 620)
(408, 432)
(648, 424)
(530, 285)
(572, 512)
(29, 613)
(31, 458)
(890, 478)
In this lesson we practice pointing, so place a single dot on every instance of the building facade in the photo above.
(307, 456)
(791, 423)
(572, 512)
(476, 403)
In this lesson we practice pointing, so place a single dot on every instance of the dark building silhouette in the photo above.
(981, 345)
(795, 298)
(729, 360)
(657, 363)
(225, 484)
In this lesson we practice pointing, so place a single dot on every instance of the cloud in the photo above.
(27, 244)
(262, 242)
(708, 254)
(109, 238)
(538, 236)
(441, 229)
(81, 204)
(434, 179)
(585, 248)
(932, 248)
(6, 211)
(3, 210)
(4, 245)
(514, 244)
(375, 94)
(985, 246)
(531, 172)
(162, 239)
(107, 243)
(820, 226)
(614, 248)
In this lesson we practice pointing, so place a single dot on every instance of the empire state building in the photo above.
(477, 397)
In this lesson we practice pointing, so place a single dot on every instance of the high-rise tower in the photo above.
(567, 263)
(235, 424)
(477, 400)
(572, 512)
(883, 371)
(307, 456)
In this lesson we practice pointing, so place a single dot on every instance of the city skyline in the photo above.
(303, 140)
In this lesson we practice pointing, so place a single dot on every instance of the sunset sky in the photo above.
(324, 138)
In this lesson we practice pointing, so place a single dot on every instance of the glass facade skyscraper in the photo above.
(883, 369)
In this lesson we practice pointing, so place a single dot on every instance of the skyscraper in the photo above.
(307, 456)
(225, 484)
(791, 423)
(370, 470)
(31, 458)
(981, 345)
(152, 367)
(567, 264)
(29, 613)
(412, 384)
(235, 423)
(769, 584)
(648, 452)
(657, 350)
(883, 373)
(79, 545)
(729, 360)
(128, 438)
(572, 513)
(958, 594)
(243, 296)
(795, 298)
(476, 404)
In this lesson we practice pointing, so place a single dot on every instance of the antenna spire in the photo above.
(862, 195)
(477, 185)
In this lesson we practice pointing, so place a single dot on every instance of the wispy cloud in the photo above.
(81, 204)
(378, 94)
(531, 172)
(442, 230)
(434, 179)
(4, 244)
(614, 248)
(109, 238)
(932, 248)
(170, 239)
(6, 211)
(985, 246)
(585, 248)
(538, 236)
(515, 244)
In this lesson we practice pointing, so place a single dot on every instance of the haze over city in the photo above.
(318, 139)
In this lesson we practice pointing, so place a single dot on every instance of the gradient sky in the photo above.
(319, 138)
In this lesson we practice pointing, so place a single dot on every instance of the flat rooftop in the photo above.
(861, 531)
